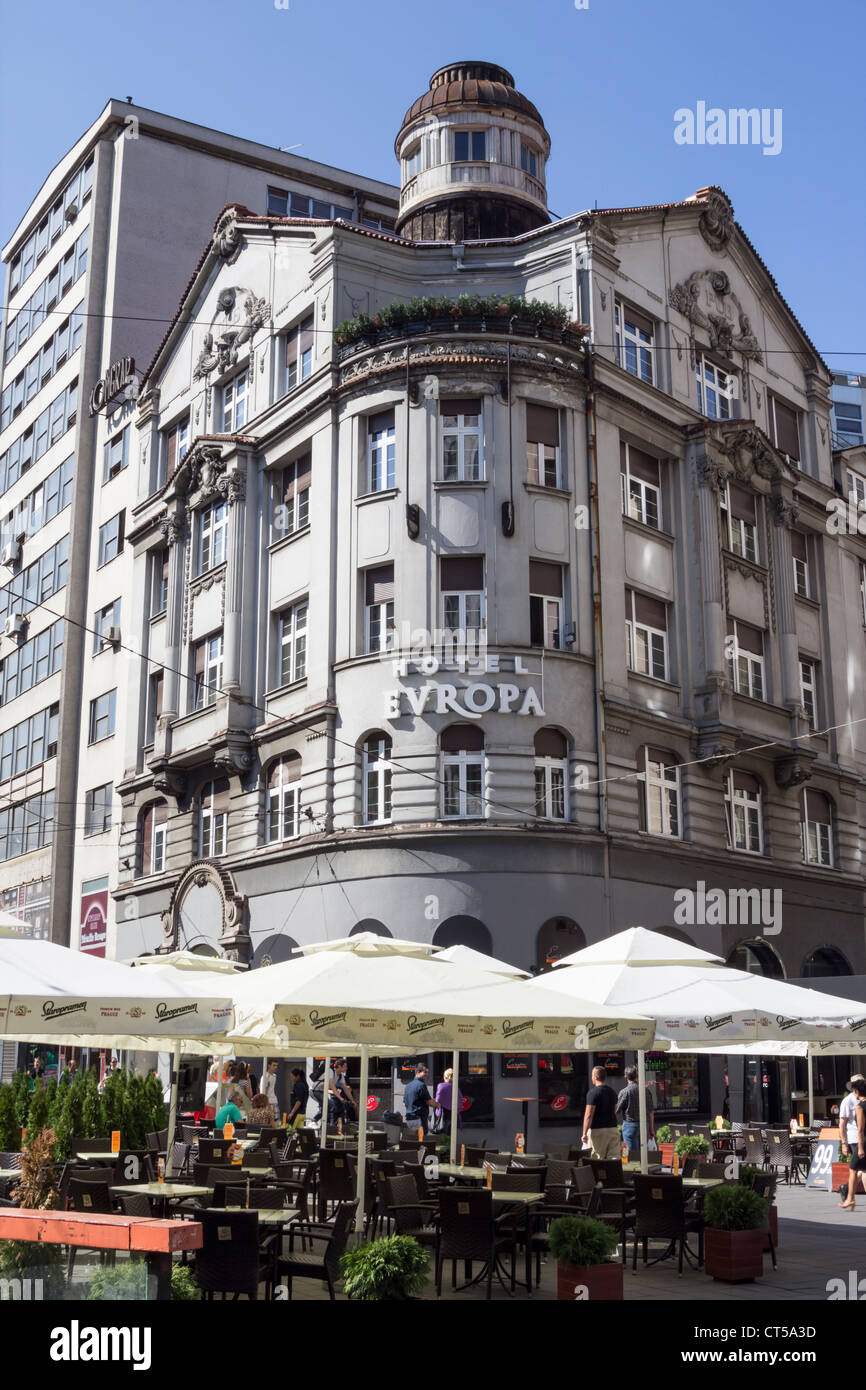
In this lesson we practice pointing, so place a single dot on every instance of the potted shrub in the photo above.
(665, 1143)
(765, 1186)
(689, 1144)
(734, 1237)
(393, 1269)
(582, 1248)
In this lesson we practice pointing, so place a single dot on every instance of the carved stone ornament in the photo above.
(233, 928)
(235, 756)
(748, 452)
(169, 781)
(707, 301)
(221, 349)
(792, 771)
(173, 528)
(227, 240)
(232, 487)
(717, 220)
(785, 513)
(711, 473)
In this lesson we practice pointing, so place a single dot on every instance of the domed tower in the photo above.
(472, 152)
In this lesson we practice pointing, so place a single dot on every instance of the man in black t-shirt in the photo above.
(599, 1119)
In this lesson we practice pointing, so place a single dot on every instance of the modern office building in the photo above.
(476, 620)
(848, 400)
(94, 271)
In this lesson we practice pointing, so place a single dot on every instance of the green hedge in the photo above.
(423, 308)
(74, 1109)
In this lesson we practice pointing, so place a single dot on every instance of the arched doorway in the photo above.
(558, 937)
(464, 931)
(758, 958)
(370, 924)
(824, 963)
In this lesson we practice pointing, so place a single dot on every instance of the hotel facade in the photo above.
(507, 619)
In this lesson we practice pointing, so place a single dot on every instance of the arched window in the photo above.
(661, 793)
(273, 949)
(824, 963)
(370, 924)
(744, 812)
(551, 775)
(758, 958)
(462, 771)
(816, 818)
(558, 937)
(464, 931)
(376, 774)
(213, 816)
(284, 799)
(153, 828)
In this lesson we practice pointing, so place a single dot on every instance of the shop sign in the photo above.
(94, 922)
(117, 380)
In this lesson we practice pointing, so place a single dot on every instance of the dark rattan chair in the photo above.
(661, 1214)
(230, 1259)
(469, 1231)
(323, 1264)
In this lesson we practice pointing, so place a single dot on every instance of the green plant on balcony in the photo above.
(427, 308)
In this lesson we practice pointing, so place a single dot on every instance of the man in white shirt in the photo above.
(848, 1125)
(269, 1085)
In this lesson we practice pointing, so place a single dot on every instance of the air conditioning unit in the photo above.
(111, 636)
(11, 553)
(15, 625)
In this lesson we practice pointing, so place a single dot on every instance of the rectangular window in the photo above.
(641, 485)
(545, 604)
(102, 716)
(29, 743)
(212, 531)
(717, 390)
(33, 661)
(116, 455)
(849, 422)
(785, 429)
(155, 688)
(208, 670)
(856, 489)
(463, 790)
(299, 353)
(646, 633)
(381, 447)
(809, 691)
(27, 826)
(379, 608)
(291, 499)
(470, 144)
(817, 824)
(528, 160)
(234, 412)
(160, 563)
(800, 553)
(661, 794)
(543, 465)
(103, 620)
(37, 582)
(461, 579)
(278, 202)
(460, 423)
(739, 517)
(633, 334)
(746, 659)
(175, 443)
(111, 539)
(293, 644)
(744, 813)
(97, 810)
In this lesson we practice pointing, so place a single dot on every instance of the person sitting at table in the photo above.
(444, 1102)
(261, 1113)
(230, 1111)
(858, 1150)
(600, 1128)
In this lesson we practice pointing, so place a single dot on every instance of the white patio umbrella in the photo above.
(695, 998)
(466, 955)
(370, 991)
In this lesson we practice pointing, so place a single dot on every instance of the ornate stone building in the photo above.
(487, 621)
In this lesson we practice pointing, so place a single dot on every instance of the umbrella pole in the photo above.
(641, 1100)
(326, 1102)
(362, 1136)
(172, 1109)
(810, 1082)
(455, 1113)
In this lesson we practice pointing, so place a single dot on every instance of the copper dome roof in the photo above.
(470, 84)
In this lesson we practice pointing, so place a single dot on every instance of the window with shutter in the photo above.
(641, 485)
(633, 336)
(816, 815)
(381, 451)
(551, 775)
(646, 624)
(545, 604)
(462, 589)
(379, 608)
(543, 454)
(786, 429)
(800, 553)
(744, 812)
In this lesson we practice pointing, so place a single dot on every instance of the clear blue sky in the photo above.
(335, 78)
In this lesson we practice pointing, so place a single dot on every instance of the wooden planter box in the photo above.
(734, 1256)
(602, 1282)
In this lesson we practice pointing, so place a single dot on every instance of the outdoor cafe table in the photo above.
(168, 1191)
(10, 1173)
(103, 1156)
(273, 1216)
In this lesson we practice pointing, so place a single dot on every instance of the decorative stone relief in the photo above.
(707, 301)
(221, 349)
(785, 513)
(717, 220)
(173, 527)
(234, 935)
(227, 240)
(748, 452)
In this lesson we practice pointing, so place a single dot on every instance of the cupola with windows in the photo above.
(472, 154)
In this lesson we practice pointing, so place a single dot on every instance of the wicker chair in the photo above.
(230, 1259)
(336, 1179)
(410, 1217)
(781, 1156)
(323, 1265)
(469, 1231)
(661, 1214)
